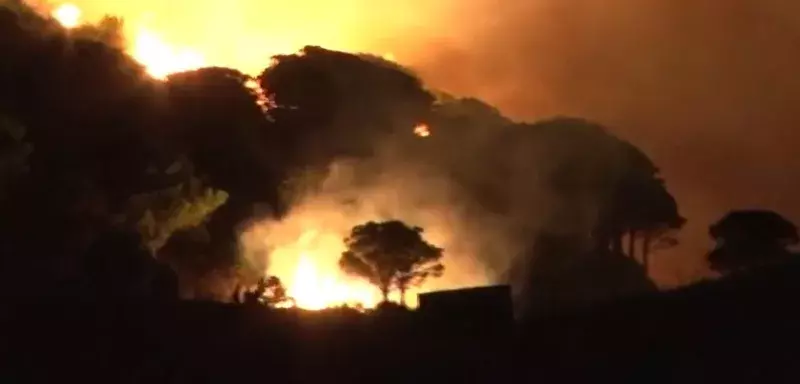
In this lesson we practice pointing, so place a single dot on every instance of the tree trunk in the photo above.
(385, 293)
(403, 296)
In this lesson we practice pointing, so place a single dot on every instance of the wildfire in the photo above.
(68, 15)
(390, 57)
(422, 130)
(159, 58)
(313, 277)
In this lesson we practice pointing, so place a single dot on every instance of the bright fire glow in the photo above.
(239, 35)
(316, 281)
(314, 289)
(304, 247)
(160, 58)
(246, 34)
(422, 130)
(389, 57)
(69, 15)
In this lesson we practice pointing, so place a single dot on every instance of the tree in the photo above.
(565, 272)
(118, 266)
(269, 290)
(160, 214)
(616, 178)
(216, 120)
(390, 255)
(750, 238)
(108, 30)
(329, 104)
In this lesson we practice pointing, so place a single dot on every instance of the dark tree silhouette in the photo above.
(216, 120)
(614, 176)
(108, 30)
(191, 253)
(565, 273)
(649, 212)
(391, 254)
(119, 267)
(269, 290)
(330, 104)
(750, 238)
(86, 110)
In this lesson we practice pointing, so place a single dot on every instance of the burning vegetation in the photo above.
(307, 183)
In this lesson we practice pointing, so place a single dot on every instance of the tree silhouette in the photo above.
(108, 30)
(216, 120)
(119, 267)
(649, 212)
(616, 178)
(330, 104)
(750, 238)
(391, 254)
(269, 290)
(565, 272)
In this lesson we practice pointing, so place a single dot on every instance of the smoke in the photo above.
(353, 192)
(708, 89)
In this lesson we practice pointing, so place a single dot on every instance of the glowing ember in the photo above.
(68, 15)
(261, 97)
(422, 130)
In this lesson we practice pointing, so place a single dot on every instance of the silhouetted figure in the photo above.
(751, 238)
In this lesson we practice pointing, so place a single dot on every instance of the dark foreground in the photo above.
(741, 329)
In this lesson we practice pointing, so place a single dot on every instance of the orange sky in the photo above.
(708, 88)
(245, 34)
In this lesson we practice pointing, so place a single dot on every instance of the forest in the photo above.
(127, 190)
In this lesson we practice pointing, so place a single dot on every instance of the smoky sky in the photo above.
(709, 89)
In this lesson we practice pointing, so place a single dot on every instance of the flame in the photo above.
(314, 289)
(245, 35)
(68, 15)
(317, 282)
(390, 57)
(159, 58)
(422, 130)
(261, 97)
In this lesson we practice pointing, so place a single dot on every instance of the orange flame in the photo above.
(68, 15)
(317, 282)
(159, 58)
(422, 130)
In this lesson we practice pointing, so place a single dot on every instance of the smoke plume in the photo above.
(706, 88)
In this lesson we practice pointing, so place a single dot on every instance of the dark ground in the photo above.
(740, 329)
